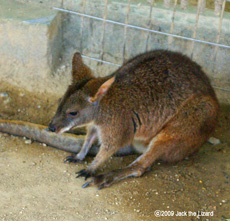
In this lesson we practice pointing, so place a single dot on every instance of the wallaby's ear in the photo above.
(79, 70)
(102, 90)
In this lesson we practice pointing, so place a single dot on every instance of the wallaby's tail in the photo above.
(68, 142)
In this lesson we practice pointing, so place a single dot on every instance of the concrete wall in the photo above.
(37, 43)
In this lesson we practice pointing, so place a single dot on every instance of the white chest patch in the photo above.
(138, 146)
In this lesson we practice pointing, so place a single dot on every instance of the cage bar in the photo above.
(196, 26)
(184, 4)
(143, 29)
(149, 29)
(125, 31)
(103, 30)
(203, 6)
(150, 25)
(167, 3)
(219, 29)
(170, 38)
(82, 28)
(218, 4)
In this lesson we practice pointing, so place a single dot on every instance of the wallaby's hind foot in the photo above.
(106, 180)
(135, 169)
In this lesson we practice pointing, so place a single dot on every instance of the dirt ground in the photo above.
(35, 184)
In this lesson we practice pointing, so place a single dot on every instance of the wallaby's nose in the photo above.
(52, 127)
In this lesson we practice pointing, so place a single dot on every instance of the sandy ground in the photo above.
(35, 184)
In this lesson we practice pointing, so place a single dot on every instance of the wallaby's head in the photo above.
(78, 105)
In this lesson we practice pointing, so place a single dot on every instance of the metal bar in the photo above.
(141, 28)
(125, 31)
(101, 61)
(223, 89)
(219, 29)
(82, 28)
(62, 32)
(196, 26)
(170, 38)
(203, 6)
(167, 3)
(150, 25)
(184, 4)
(217, 9)
(221, 20)
(103, 30)
(197, 17)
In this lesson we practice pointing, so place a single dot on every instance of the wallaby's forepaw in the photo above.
(84, 173)
(72, 159)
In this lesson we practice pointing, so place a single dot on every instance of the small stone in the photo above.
(4, 94)
(28, 141)
(44, 145)
(7, 100)
(214, 141)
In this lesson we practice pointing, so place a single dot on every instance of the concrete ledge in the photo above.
(25, 45)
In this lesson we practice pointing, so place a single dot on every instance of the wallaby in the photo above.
(160, 102)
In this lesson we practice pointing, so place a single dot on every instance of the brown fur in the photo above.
(160, 99)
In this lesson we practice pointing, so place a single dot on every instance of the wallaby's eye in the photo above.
(73, 113)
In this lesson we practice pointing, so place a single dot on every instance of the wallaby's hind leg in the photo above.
(190, 128)
(181, 136)
(136, 169)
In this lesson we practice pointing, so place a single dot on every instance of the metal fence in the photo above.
(216, 44)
